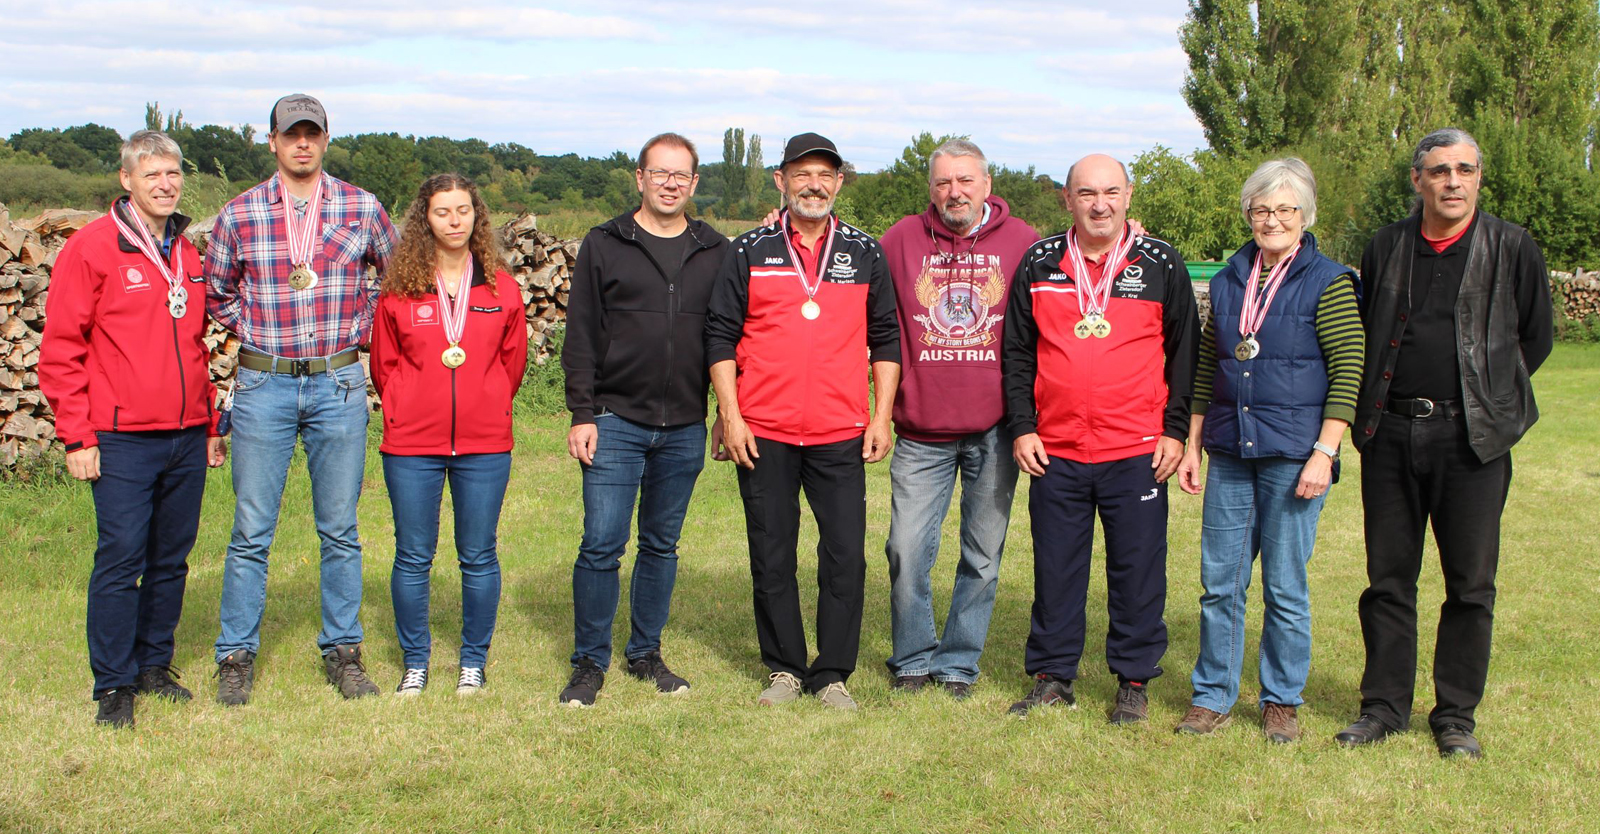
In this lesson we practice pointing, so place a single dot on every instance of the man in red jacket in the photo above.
(952, 268)
(1100, 351)
(124, 367)
(799, 309)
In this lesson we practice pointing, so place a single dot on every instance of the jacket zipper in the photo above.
(453, 411)
(183, 386)
(672, 310)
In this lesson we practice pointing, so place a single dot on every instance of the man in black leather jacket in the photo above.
(1458, 317)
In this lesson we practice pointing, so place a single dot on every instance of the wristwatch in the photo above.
(1330, 451)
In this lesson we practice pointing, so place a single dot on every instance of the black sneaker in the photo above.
(345, 671)
(652, 668)
(1133, 704)
(1048, 690)
(235, 676)
(584, 685)
(910, 683)
(959, 690)
(116, 707)
(160, 682)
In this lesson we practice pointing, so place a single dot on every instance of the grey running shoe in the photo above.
(1133, 704)
(236, 673)
(1048, 690)
(344, 670)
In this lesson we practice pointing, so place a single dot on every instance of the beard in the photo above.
(799, 208)
(960, 218)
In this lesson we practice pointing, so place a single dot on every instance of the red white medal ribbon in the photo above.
(302, 233)
(1098, 295)
(139, 235)
(1257, 298)
(799, 265)
(453, 311)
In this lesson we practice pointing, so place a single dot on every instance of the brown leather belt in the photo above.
(258, 361)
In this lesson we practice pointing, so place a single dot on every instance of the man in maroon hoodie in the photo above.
(125, 368)
(952, 267)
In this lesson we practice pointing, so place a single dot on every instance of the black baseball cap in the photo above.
(809, 143)
(295, 108)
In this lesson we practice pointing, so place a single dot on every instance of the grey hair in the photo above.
(1290, 172)
(1444, 137)
(957, 147)
(147, 143)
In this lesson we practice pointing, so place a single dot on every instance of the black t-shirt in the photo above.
(667, 251)
(1427, 365)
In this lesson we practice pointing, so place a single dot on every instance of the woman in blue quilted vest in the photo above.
(1280, 368)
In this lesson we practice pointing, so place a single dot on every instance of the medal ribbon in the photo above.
(1098, 296)
(799, 265)
(302, 234)
(1258, 299)
(137, 234)
(453, 312)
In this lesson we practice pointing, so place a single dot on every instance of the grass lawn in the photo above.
(298, 758)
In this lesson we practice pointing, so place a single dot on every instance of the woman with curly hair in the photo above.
(449, 347)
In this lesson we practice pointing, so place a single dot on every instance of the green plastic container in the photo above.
(1203, 270)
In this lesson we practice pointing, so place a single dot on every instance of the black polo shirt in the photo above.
(1427, 364)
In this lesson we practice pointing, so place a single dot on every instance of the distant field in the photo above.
(298, 758)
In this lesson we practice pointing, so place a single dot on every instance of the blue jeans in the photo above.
(923, 476)
(328, 413)
(1251, 508)
(657, 465)
(477, 489)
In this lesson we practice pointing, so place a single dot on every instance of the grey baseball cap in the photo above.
(298, 107)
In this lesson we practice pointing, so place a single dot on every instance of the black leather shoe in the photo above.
(1456, 740)
(1366, 730)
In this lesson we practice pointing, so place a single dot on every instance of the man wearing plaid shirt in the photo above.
(300, 323)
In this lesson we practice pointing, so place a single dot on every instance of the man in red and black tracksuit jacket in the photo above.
(797, 310)
(126, 371)
(1100, 414)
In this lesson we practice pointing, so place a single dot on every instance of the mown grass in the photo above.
(300, 759)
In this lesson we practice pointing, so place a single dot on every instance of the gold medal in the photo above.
(811, 309)
(302, 277)
(453, 356)
(1083, 329)
(1247, 349)
(1101, 329)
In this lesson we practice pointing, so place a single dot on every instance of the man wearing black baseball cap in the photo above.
(797, 308)
(287, 271)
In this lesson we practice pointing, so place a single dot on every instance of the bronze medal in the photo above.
(453, 356)
(811, 309)
(1247, 349)
(302, 277)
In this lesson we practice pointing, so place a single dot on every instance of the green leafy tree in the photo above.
(735, 182)
(386, 164)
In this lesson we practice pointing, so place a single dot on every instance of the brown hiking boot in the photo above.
(343, 667)
(1279, 723)
(1201, 721)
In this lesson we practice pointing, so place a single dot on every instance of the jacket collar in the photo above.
(627, 228)
(1243, 261)
(177, 223)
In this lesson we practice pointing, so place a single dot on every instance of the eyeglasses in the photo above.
(658, 176)
(1464, 169)
(1259, 214)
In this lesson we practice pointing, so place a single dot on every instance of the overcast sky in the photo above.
(1039, 83)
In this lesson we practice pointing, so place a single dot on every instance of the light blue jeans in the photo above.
(1251, 508)
(923, 475)
(328, 413)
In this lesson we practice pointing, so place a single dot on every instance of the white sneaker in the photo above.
(471, 680)
(414, 681)
(784, 688)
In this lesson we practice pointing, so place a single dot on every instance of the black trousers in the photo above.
(1133, 509)
(147, 509)
(1414, 472)
(835, 484)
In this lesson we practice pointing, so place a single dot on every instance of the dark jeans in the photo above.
(658, 465)
(477, 491)
(835, 483)
(147, 509)
(1414, 472)
(1133, 510)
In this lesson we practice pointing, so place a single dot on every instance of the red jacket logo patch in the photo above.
(424, 313)
(134, 279)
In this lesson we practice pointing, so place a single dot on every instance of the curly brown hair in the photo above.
(411, 270)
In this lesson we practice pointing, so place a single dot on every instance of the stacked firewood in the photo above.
(543, 267)
(1577, 294)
